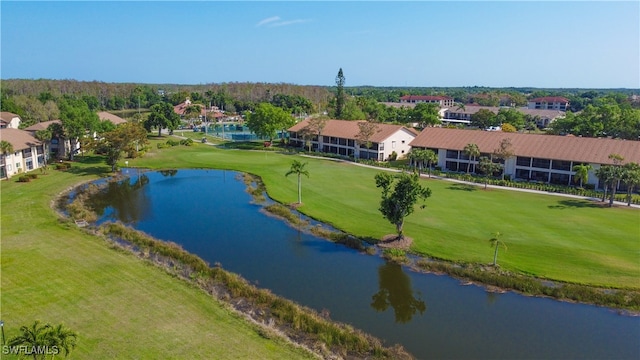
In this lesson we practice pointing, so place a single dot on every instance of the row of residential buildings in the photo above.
(537, 157)
(29, 153)
(541, 103)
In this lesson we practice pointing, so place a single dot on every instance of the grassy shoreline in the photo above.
(121, 307)
(548, 237)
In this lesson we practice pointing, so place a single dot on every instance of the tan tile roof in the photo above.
(349, 129)
(570, 148)
(42, 125)
(20, 139)
(7, 116)
(116, 120)
(550, 99)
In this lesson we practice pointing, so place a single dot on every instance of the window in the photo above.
(381, 147)
(540, 176)
(452, 154)
(403, 141)
(522, 174)
(523, 161)
(541, 163)
(29, 164)
(561, 165)
(393, 144)
(562, 179)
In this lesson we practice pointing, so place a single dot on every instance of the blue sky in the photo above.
(499, 44)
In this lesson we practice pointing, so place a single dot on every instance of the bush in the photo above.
(186, 142)
(24, 178)
(32, 176)
(63, 166)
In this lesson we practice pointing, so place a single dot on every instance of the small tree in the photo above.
(315, 126)
(488, 167)
(297, 168)
(582, 173)
(496, 242)
(6, 147)
(429, 157)
(366, 130)
(503, 152)
(340, 94)
(399, 195)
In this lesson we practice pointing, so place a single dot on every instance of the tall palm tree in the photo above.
(429, 157)
(631, 178)
(45, 136)
(495, 241)
(298, 168)
(471, 150)
(582, 173)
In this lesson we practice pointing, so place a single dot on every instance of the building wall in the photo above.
(22, 161)
(398, 142)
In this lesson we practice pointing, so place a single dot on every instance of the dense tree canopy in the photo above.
(162, 116)
(267, 119)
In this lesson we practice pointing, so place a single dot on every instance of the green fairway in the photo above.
(547, 236)
(120, 306)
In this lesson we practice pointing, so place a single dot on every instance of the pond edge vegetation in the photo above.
(492, 278)
(293, 320)
(275, 317)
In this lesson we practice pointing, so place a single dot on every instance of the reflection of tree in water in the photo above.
(124, 197)
(170, 172)
(396, 291)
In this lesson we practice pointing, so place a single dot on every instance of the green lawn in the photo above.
(120, 306)
(547, 236)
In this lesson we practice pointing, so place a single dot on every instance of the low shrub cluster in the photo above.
(255, 187)
(284, 212)
(618, 298)
(396, 255)
(587, 191)
(27, 177)
(171, 143)
(295, 320)
(63, 166)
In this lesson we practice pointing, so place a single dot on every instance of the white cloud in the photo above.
(289, 22)
(268, 20)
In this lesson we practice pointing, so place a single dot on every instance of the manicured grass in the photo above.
(120, 306)
(547, 236)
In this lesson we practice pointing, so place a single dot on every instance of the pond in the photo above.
(209, 213)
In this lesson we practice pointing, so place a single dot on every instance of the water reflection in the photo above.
(396, 291)
(170, 172)
(126, 198)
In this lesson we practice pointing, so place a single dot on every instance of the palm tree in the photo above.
(297, 168)
(604, 174)
(631, 178)
(33, 336)
(582, 173)
(64, 338)
(414, 157)
(495, 241)
(44, 136)
(471, 150)
(429, 157)
(6, 147)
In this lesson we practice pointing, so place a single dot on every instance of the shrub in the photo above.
(186, 142)
(24, 178)
(172, 142)
(32, 176)
(63, 166)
